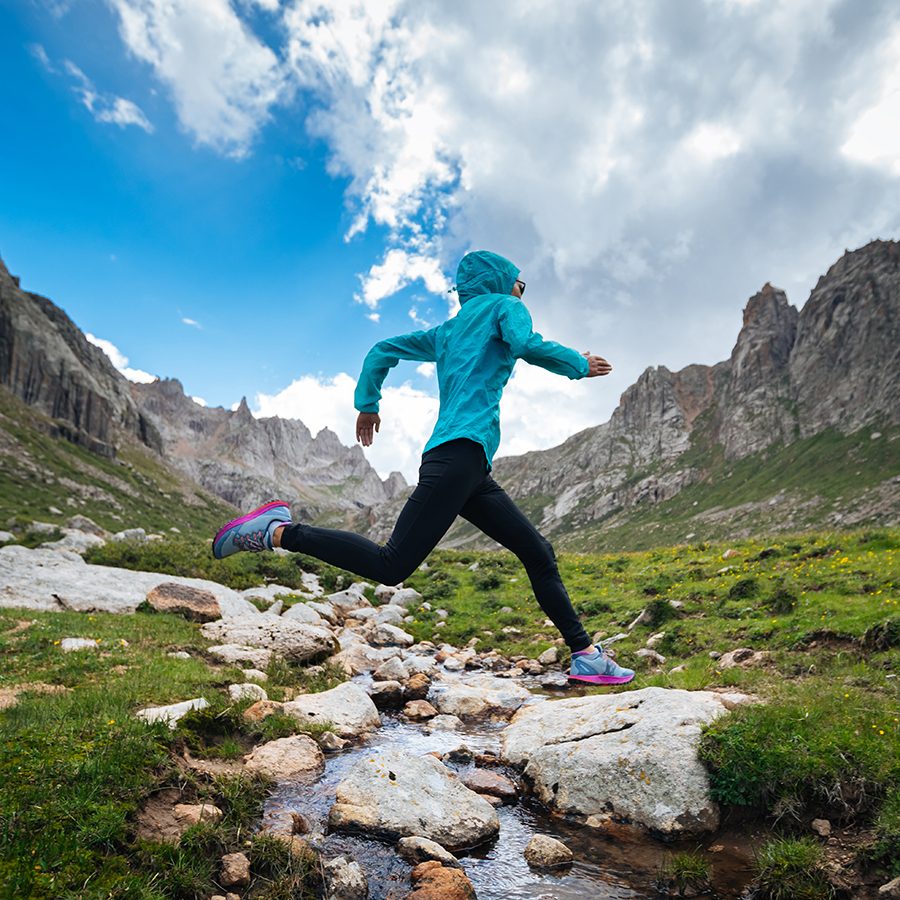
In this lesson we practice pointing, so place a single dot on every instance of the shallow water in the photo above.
(620, 867)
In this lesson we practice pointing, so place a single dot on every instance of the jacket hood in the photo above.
(483, 272)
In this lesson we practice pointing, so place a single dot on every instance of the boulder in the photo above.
(69, 645)
(303, 612)
(347, 707)
(418, 849)
(130, 534)
(479, 696)
(397, 794)
(384, 592)
(237, 654)
(386, 635)
(331, 743)
(235, 870)
(295, 641)
(344, 880)
(192, 603)
(325, 610)
(387, 694)
(286, 757)
(432, 881)
(630, 755)
(346, 601)
(172, 713)
(57, 580)
(420, 665)
(417, 687)
(75, 541)
(419, 710)
(545, 852)
(444, 723)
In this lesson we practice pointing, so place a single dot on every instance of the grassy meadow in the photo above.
(825, 742)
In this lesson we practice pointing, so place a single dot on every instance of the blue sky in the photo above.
(246, 195)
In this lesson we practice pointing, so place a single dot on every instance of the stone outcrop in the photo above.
(396, 794)
(630, 756)
(347, 707)
(292, 640)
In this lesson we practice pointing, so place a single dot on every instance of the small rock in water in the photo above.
(483, 782)
(331, 743)
(549, 657)
(391, 670)
(452, 664)
(68, 645)
(421, 849)
(544, 851)
(436, 882)
(347, 707)
(555, 681)
(345, 880)
(386, 694)
(418, 710)
(235, 870)
(417, 687)
(444, 723)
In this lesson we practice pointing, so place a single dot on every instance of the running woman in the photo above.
(475, 352)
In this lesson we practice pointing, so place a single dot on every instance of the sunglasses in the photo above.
(521, 285)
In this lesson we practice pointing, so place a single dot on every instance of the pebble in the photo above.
(544, 851)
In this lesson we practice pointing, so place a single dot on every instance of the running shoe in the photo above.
(598, 668)
(253, 531)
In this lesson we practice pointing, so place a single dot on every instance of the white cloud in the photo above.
(398, 269)
(123, 112)
(222, 78)
(373, 317)
(199, 401)
(426, 369)
(192, 322)
(710, 141)
(120, 360)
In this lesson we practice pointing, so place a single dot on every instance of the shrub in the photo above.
(791, 869)
(743, 588)
(886, 850)
(782, 600)
(487, 580)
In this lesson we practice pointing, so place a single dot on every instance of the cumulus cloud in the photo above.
(199, 401)
(222, 78)
(120, 360)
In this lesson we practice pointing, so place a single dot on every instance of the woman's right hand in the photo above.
(597, 365)
(366, 425)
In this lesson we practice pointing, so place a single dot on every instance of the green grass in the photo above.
(791, 869)
(684, 873)
(77, 765)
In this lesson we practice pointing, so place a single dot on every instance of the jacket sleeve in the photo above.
(515, 325)
(417, 345)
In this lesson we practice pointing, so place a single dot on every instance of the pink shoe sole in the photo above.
(602, 679)
(261, 509)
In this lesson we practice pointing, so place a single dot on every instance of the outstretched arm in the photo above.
(417, 345)
(515, 325)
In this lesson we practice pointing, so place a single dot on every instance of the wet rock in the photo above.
(549, 657)
(303, 612)
(347, 707)
(419, 665)
(822, 827)
(385, 635)
(246, 690)
(70, 645)
(546, 852)
(295, 641)
(483, 695)
(444, 723)
(387, 694)
(331, 743)
(452, 664)
(172, 713)
(420, 849)
(391, 670)
(238, 654)
(418, 710)
(235, 870)
(406, 597)
(344, 880)
(417, 687)
(555, 681)
(397, 794)
(261, 709)
(631, 755)
(484, 782)
(192, 603)
(433, 881)
(286, 757)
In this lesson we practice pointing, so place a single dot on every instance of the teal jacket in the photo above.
(475, 352)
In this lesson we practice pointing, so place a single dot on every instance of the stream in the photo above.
(624, 866)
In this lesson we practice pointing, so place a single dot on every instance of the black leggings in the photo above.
(452, 481)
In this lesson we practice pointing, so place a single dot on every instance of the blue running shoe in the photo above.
(598, 668)
(253, 531)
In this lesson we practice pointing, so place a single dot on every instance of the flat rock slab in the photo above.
(183, 600)
(347, 707)
(288, 757)
(631, 755)
(59, 579)
(292, 640)
(480, 696)
(397, 794)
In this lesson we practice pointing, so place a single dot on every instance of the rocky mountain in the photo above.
(46, 362)
(814, 391)
(246, 460)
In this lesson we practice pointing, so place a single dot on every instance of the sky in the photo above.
(247, 194)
